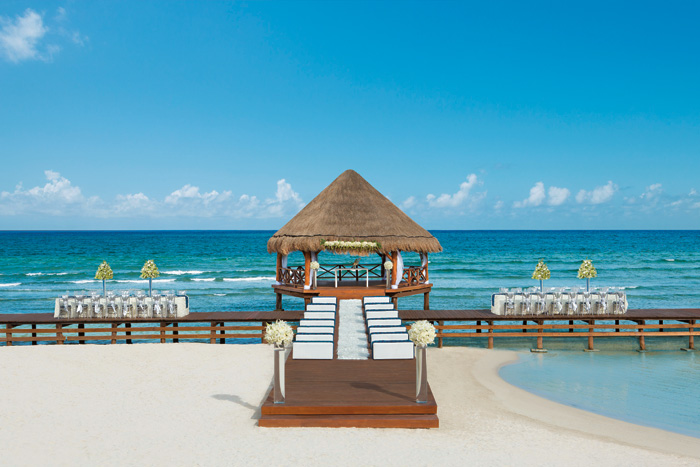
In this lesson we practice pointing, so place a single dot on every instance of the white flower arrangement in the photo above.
(339, 246)
(279, 333)
(149, 270)
(587, 270)
(541, 271)
(314, 265)
(104, 272)
(422, 333)
(388, 265)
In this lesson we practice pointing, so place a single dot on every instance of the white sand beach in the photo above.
(197, 404)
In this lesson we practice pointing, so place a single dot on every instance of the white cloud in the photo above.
(498, 206)
(60, 197)
(557, 195)
(599, 195)
(460, 197)
(25, 37)
(19, 39)
(652, 192)
(408, 203)
(57, 196)
(692, 192)
(537, 197)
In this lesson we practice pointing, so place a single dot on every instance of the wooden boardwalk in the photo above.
(350, 393)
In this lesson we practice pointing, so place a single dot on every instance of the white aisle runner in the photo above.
(352, 336)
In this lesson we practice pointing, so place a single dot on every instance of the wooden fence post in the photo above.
(440, 323)
(8, 335)
(642, 344)
(59, 334)
(691, 340)
(490, 345)
(590, 338)
(81, 334)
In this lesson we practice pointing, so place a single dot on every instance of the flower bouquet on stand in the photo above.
(314, 271)
(280, 335)
(541, 274)
(150, 271)
(421, 334)
(388, 265)
(104, 273)
(587, 271)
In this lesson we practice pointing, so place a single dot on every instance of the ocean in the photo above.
(232, 271)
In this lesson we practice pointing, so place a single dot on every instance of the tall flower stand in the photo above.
(421, 374)
(279, 354)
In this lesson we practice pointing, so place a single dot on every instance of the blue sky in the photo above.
(225, 115)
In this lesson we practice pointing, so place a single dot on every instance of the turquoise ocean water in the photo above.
(232, 271)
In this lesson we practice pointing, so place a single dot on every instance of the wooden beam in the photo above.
(426, 301)
(279, 266)
(394, 261)
(307, 269)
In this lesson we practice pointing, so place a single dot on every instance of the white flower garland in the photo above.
(587, 270)
(422, 333)
(341, 246)
(541, 272)
(279, 333)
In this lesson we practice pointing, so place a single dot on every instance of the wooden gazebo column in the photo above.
(307, 275)
(394, 261)
(278, 277)
(426, 296)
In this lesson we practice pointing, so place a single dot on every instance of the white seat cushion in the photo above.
(312, 350)
(385, 350)
(317, 322)
(389, 336)
(379, 306)
(320, 307)
(319, 315)
(313, 337)
(315, 330)
(380, 314)
(324, 300)
(366, 300)
(383, 322)
(376, 329)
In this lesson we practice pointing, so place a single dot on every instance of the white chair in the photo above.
(381, 299)
(380, 314)
(324, 300)
(315, 330)
(383, 322)
(320, 307)
(302, 350)
(314, 338)
(388, 336)
(379, 306)
(319, 315)
(317, 322)
(382, 329)
(388, 350)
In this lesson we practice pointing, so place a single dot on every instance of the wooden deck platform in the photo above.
(350, 393)
(351, 289)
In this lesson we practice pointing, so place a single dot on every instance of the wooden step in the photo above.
(350, 421)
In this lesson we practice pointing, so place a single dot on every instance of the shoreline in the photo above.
(522, 402)
(189, 403)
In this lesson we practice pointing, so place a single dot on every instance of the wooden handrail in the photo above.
(414, 275)
(294, 276)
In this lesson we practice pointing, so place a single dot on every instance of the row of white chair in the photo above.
(388, 338)
(315, 338)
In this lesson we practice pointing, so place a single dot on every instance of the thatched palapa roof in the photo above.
(350, 209)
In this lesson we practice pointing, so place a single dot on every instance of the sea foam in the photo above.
(249, 279)
(13, 284)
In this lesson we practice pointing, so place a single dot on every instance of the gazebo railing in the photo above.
(414, 275)
(328, 271)
(295, 276)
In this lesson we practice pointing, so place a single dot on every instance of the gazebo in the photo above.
(351, 217)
